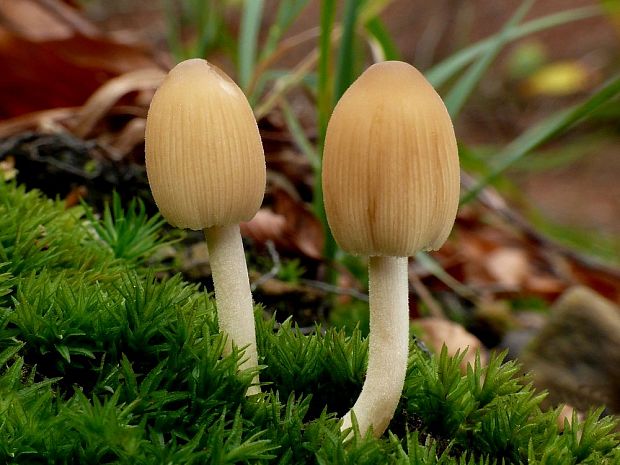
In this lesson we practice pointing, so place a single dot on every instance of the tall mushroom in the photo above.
(391, 188)
(206, 169)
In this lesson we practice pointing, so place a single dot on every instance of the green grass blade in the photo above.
(604, 248)
(173, 33)
(299, 136)
(288, 11)
(248, 39)
(372, 9)
(433, 267)
(345, 68)
(461, 91)
(210, 25)
(285, 82)
(441, 73)
(200, 13)
(380, 34)
(542, 132)
(324, 106)
(324, 97)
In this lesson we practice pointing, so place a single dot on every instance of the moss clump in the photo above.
(100, 362)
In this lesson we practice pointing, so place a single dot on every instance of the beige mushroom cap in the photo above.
(204, 156)
(390, 166)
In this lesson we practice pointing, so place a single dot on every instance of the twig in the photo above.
(275, 269)
(335, 289)
(284, 46)
(433, 306)
(277, 265)
(70, 17)
(285, 83)
(305, 330)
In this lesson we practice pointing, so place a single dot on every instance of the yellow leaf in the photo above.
(7, 168)
(558, 79)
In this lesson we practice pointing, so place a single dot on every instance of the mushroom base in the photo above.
(235, 311)
(388, 345)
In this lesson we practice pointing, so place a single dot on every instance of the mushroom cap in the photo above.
(391, 176)
(204, 157)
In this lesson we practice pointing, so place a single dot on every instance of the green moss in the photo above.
(101, 362)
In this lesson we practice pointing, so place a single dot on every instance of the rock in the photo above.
(527, 326)
(576, 355)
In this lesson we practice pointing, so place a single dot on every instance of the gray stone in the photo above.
(576, 355)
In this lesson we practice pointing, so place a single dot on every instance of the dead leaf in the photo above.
(566, 416)
(44, 121)
(603, 283)
(44, 20)
(438, 332)
(60, 73)
(290, 225)
(509, 266)
(100, 102)
(545, 286)
(74, 197)
(303, 230)
(265, 226)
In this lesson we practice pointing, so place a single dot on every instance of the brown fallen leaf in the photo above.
(56, 58)
(509, 266)
(437, 332)
(265, 226)
(546, 286)
(45, 121)
(75, 196)
(566, 415)
(303, 228)
(290, 225)
(106, 96)
(44, 20)
(62, 73)
(604, 283)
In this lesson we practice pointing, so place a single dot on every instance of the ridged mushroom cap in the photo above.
(390, 165)
(204, 157)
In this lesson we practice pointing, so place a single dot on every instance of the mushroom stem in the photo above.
(388, 345)
(232, 293)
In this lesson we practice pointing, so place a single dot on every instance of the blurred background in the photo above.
(533, 265)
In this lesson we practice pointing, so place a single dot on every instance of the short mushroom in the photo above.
(206, 169)
(391, 188)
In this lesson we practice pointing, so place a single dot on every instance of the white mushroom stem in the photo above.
(388, 345)
(232, 293)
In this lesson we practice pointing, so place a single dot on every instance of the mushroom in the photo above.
(206, 168)
(391, 189)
